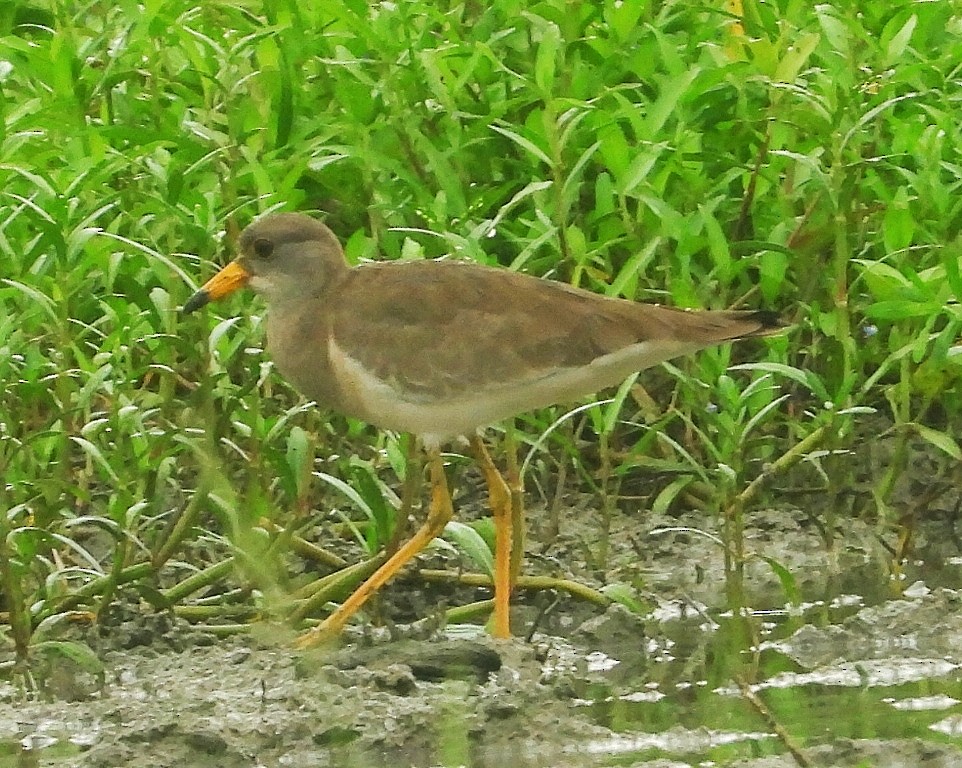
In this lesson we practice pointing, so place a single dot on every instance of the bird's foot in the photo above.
(323, 635)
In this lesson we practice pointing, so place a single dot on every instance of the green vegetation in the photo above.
(807, 160)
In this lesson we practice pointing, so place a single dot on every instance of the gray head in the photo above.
(283, 256)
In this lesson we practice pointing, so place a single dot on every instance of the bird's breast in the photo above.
(297, 343)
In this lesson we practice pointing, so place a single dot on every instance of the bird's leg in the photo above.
(517, 506)
(499, 497)
(439, 513)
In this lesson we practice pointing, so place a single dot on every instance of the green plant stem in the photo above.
(307, 549)
(464, 613)
(94, 588)
(734, 512)
(783, 463)
(197, 613)
(524, 582)
(16, 607)
(332, 587)
(199, 580)
(604, 477)
(410, 490)
(777, 728)
(183, 525)
(224, 630)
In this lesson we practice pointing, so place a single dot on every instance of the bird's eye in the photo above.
(263, 248)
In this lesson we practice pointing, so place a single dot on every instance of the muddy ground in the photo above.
(419, 696)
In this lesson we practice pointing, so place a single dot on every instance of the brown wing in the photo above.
(463, 325)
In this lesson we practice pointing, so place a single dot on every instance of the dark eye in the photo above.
(263, 248)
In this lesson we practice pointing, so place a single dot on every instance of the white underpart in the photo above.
(385, 405)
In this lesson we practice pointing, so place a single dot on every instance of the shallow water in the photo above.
(893, 685)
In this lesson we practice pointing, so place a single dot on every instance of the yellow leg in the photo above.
(499, 496)
(517, 507)
(439, 514)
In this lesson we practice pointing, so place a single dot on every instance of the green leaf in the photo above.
(796, 57)
(471, 543)
(81, 654)
(37, 297)
(884, 281)
(895, 44)
(787, 580)
(807, 379)
(667, 495)
(615, 151)
(626, 596)
(622, 18)
(299, 456)
(98, 458)
(772, 268)
(951, 261)
(349, 492)
(612, 410)
(834, 28)
(524, 143)
(219, 331)
(570, 188)
(671, 91)
(639, 169)
(717, 245)
(898, 226)
(546, 59)
(633, 268)
(370, 490)
(900, 309)
(940, 440)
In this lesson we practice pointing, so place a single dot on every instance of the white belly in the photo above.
(385, 405)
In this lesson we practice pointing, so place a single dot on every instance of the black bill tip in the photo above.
(198, 300)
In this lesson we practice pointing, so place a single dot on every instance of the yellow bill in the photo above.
(224, 283)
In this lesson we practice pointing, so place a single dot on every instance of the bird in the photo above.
(442, 349)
